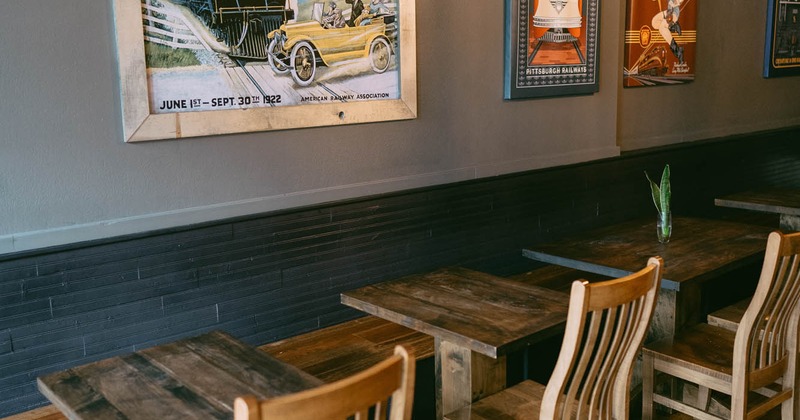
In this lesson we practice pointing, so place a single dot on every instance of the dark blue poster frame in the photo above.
(782, 46)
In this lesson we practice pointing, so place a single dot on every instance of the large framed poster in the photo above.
(660, 42)
(782, 51)
(551, 48)
(205, 67)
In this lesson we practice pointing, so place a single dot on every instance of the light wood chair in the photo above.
(754, 365)
(606, 324)
(385, 388)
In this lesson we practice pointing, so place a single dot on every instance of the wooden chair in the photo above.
(388, 383)
(606, 324)
(754, 365)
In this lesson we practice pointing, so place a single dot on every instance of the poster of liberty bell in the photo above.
(552, 48)
(660, 42)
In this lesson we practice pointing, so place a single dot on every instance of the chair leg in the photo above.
(648, 377)
(790, 408)
(787, 409)
(703, 399)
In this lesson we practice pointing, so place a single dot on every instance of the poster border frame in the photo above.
(139, 124)
(511, 47)
(769, 45)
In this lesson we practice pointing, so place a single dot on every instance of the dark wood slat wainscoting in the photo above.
(270, 276)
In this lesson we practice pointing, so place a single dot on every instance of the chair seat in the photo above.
(703, 349)
(520, 402)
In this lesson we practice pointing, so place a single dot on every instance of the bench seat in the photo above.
(729, 316)
(342, 350)
(47, 412)
(556, 277)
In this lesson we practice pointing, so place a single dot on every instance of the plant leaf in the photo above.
(655, 191)
(666, 191)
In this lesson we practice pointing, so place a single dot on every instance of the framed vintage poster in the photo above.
(660, 41)
(782, 51)
(205, 67)
(551, 48)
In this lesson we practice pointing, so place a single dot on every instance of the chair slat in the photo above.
(352, 396)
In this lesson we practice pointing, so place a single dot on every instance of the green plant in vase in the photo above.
(661, 196)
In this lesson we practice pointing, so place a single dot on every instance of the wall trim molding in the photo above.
(26, 241)
(106, 229)
(744, 129)
(545, 161)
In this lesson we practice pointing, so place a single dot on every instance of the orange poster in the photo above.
(551, 48)
(660, 41)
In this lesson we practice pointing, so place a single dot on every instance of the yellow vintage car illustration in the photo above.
(301, 47)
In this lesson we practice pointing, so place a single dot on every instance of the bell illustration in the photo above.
(554, 14)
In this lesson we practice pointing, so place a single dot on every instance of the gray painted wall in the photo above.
(66, 175)
(729, 96)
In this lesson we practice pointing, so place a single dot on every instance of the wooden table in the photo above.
(699, 250)
(475, 319)
(783, 202)
(196, 378)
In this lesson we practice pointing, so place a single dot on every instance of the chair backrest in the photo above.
(388, 383)
(606, 325)
(766, 339)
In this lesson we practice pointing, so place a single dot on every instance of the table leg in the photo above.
(463, 376)
(663, 322)
(674, 312)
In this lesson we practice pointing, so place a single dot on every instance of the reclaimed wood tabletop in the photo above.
(475, 319)
(699, 250)
(192, 378)
(485, 313)
(784, 202)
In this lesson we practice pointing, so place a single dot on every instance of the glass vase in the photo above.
(664, 227)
